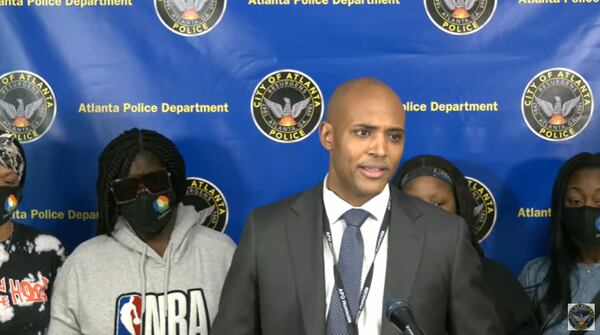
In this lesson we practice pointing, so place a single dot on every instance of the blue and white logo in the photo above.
(129, 315)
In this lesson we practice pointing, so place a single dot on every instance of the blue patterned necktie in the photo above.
(350, 264)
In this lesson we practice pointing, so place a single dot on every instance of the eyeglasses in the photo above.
(127, 189)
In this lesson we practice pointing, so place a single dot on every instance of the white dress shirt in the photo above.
(369, 321)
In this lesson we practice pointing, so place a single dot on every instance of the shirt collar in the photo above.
(335, 206)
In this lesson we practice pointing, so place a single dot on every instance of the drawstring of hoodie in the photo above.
(143, 279)
(127, 237)
(166, 284)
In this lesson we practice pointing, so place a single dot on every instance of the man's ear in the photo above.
(326, 135)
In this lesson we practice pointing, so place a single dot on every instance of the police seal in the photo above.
(557, 104)
(190, 17)
(460, 17)
(581, 317)
(287, 106)
(27, 105)
(202, 194)
(485, 208)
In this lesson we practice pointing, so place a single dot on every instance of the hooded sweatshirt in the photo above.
(117, 284)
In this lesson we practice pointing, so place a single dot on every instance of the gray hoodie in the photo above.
(117, 284)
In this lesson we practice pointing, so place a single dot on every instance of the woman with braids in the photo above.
(435, 180)
(153, 267)
(571, 273)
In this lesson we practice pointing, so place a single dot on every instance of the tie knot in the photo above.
(355, 217)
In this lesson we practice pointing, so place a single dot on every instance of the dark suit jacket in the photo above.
(276, 284)
(514, 307)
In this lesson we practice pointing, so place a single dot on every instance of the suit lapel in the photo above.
(405, 244)
(305, 238)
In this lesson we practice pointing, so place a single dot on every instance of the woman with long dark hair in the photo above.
(571, 273)
(435, 180)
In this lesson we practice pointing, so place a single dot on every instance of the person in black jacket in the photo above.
(435, 180)
(282, 278)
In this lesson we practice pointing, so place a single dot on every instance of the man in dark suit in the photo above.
(304, 264)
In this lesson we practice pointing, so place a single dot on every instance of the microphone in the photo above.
(399, 314)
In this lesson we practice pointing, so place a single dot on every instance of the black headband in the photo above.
(429, 171)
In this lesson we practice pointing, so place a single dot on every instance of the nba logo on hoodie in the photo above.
(179, 312)
(129, 315)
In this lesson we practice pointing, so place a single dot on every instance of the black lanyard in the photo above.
(339, 286)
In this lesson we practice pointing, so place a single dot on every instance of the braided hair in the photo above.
(115, 162)
(564, 254)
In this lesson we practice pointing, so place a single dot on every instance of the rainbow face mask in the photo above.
(149, 213)
(10, 197)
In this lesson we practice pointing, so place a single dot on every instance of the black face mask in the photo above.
(148, 214)
(583, 225)
(10, 197)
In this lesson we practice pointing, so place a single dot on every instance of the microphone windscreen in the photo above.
(398, 312)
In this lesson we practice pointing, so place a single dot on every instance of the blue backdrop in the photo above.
(98, 54)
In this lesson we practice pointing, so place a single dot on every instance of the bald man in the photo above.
(304, 264)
